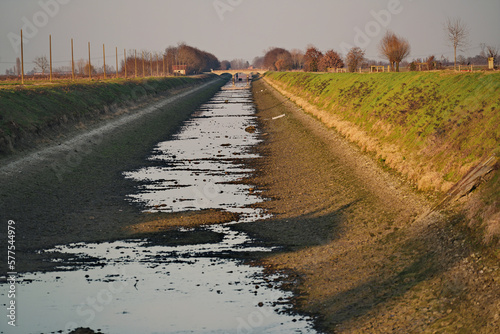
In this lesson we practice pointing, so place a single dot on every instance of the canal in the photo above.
(143, 286)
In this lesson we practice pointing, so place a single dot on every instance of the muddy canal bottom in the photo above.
(139, 286)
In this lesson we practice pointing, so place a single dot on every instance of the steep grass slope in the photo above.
(27, 112)
(431, 127)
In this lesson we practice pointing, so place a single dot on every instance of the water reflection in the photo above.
(136, 286)
(200, 162)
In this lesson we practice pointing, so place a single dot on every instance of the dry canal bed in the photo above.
(149, 286)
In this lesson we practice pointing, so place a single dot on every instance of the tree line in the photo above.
(393, 48)
(312, 60)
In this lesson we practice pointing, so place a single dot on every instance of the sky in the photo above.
(232, 29)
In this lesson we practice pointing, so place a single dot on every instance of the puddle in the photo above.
(137, 286)
(200, 162)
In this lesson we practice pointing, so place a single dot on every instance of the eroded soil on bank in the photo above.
(368, 256)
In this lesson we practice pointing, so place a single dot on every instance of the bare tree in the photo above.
(489, 51)
(239, 64)
(354, 58)
(284, 62)
(331, 59)
(258, 62)
(431, 62)
(394, 48)
(80, 64)
(297, 58)
(312, 59)
(457, 34)
(225, 65)
(41, 63)
(461, 60)
(272, 57)
(18, 66)
(89, 67)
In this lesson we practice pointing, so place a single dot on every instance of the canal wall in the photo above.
(39, 114)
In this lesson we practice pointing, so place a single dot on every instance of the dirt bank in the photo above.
(74, 191)
(431, 127)
(31, 115)
(351, 235)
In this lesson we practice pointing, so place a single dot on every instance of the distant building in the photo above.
(179, 69)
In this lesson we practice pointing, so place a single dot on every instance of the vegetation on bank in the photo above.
(431, 127)
(34, 109)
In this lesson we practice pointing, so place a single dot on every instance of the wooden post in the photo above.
(50, 52)
(163, 65)
(125, 57)
(90, 65)
(151, 64)
(116, 51)
(104, 58)
(135, 51)
(72, 62)
(157, 66)
(22, 59)
(143, 66)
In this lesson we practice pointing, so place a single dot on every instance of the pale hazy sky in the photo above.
(236, 28)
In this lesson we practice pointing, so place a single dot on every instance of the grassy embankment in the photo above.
(27, 112)
(430, 127)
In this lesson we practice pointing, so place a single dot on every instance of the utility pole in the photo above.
(50, 52)
(151, 63)
(125, 56)
(157, 66)
(72, 62)
(90, 66)
(143, 66)
(116, 51)
(104, 57)
(22, 59)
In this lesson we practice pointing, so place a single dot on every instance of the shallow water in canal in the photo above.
(137, 286)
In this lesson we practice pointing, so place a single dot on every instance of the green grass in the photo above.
(439, 120)
(34, 107)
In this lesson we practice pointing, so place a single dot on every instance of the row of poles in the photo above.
(90, 63)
